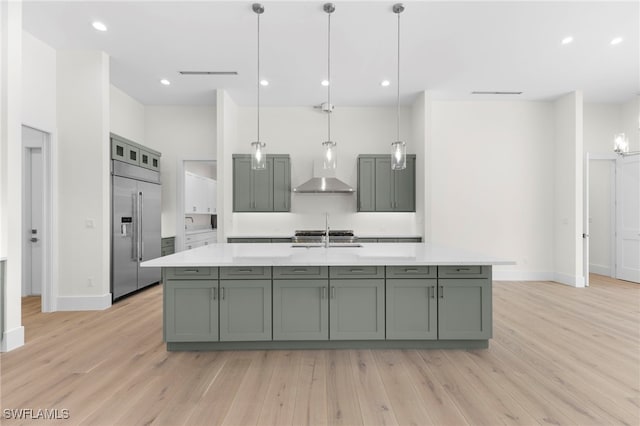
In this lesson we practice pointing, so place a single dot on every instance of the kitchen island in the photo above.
(370, 295)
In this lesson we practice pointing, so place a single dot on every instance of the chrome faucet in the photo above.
(326, 229)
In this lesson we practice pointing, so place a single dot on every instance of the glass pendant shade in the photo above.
(330, 154)
(620, 143)
(398, 155)
(258, 156)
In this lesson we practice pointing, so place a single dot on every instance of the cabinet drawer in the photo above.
(300, 271)
(245, 272)
(356, 271)
(197, 272)
(411, 271)
(472, 271)
(168, 242)
(202, 236)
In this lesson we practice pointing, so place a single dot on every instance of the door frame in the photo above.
(611, 158)
(180, 194)
(49, 284)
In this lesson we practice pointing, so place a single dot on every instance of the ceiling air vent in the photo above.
(495, 93)
(208, 72)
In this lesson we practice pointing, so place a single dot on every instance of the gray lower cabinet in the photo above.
(245, 309)
(191, 310)
(267, 190)
(356, 309)
(300, 309)
(464, 303)
(412, 309)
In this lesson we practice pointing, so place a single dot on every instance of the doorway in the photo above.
(36, 220)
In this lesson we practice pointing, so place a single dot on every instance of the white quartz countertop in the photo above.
(199, 231)
(265, 254)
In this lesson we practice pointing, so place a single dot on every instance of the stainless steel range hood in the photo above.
(323, 182)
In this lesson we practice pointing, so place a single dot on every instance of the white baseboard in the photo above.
(600, 269)
(84, 303)
(571, 280)
(522, 276)
(12, 339)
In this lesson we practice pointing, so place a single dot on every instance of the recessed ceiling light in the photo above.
(325, 83)
(99, 26)
(567, 40)
(165, 82)
(385, 83)
(264, 82)
(616, 40)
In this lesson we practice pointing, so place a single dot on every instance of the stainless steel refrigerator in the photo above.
(135, 202)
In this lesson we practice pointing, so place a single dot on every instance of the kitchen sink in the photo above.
(344, 245)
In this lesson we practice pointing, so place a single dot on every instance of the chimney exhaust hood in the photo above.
(323, 182)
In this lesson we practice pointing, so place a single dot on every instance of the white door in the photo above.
(33, 192)
(628, 218)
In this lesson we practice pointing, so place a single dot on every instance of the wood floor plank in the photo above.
(311, 396)
(343, 408)
(280, 397)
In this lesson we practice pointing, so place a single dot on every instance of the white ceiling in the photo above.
(449, 48)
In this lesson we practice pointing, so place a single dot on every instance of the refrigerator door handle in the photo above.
(134, 234)
(140, 215)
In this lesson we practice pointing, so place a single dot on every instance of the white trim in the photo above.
(611, 156)
(600, 269)
(12, 339)
(84, 303)
(571, 280)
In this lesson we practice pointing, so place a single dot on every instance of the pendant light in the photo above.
(398, 148)
(330, 154)
(258, 155)
(621, 145)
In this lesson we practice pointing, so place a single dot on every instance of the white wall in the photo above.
(492, 182)
(126, 115)
(38, 84)
(568, 177)
(84, 180)
(11, 170)
(178, 132)
(631, 122)
(421, 131)
(227, 136)
(299, 132)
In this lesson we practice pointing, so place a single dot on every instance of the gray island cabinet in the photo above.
(273, 296)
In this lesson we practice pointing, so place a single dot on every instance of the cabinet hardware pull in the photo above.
(215, 290)
(333, 292)
(299, 270)
(244, 270)
(221, 293)
(323, 292)
(441, 292)
(411, 270)
(191, 271)
(462, 269)
(356, 270)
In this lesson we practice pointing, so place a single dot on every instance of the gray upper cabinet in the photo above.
(131, 152)
(381, 189)
(267, 190)
(464, 308)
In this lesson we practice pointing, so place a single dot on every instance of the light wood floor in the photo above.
(559, 355)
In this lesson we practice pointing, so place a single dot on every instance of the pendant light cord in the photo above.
(398, 87)
(329, 77)
(258, 80)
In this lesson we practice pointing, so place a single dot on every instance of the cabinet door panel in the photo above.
(412, 309)
(366, 184)
(262, 188)
(464, 309)
(404, 187)
(242, 191)
(385, 197)
(281, 184)
(191, 310)
(300, 310)
(356, 309)
(245, 310)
